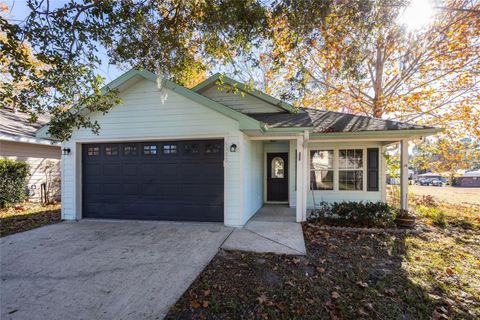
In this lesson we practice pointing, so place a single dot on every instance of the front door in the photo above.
(277, 177)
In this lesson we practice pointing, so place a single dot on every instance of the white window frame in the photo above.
(336, 169)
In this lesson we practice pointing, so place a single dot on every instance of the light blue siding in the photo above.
(252, 177)
(143, 116)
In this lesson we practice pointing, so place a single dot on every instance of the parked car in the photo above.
(423, 182)
(436, 183)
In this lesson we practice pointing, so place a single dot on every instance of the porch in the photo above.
(301, 171)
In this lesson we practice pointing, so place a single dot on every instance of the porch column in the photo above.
(306, 174)
(404, 174)
(299, 190)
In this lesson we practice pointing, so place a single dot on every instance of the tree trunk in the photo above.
(378, 101)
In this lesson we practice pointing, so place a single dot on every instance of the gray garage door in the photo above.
(164, 180)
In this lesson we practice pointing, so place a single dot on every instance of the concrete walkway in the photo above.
(103, 269)
(271, 230)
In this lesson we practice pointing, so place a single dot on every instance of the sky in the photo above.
(19, 11)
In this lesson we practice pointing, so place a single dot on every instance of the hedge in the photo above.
(354, 214)
(13, 182)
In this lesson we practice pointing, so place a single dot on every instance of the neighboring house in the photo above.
(469, 179)
(18, 142)
(205, 154)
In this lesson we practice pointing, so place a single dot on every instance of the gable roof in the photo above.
(219, 78)
(245, 121)
(293, 119)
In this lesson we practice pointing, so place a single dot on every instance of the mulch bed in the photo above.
(344, 276)
(24, 218)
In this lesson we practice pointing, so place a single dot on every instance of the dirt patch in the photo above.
(26, 217)
(344, 276)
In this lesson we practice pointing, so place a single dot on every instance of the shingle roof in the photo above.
(18, 123)
(329, 121)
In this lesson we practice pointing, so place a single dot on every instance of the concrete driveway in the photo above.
(103, 269)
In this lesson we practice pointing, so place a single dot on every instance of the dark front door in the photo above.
(277, 177)
(156, 180)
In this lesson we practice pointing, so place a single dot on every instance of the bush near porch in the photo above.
(354, 214)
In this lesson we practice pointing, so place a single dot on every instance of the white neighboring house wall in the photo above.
(42, 159)
(143, 117)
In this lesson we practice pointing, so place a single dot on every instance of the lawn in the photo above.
(27, 216)
(430, 273)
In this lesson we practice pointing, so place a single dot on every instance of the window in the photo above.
(321, 170)
(213, 148)
(150, 149)
(350, 169)
(130, 150)
(169, 148)
(191, 148)
(93, 151)
(111, 150)
(278, 170)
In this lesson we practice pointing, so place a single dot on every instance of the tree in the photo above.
(355, 56)
(446, 154)
(177, 39)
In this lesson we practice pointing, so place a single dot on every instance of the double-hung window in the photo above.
(350, 169)
(321, 170)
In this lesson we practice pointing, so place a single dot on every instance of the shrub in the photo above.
(13, 182)
(437, 216)
(360, 214)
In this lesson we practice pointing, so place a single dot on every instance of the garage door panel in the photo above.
(121, 181)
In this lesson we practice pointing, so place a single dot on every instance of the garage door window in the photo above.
(111, 151)
(213, 148)
(93, 151)
(150, 149)
(169, 149)
(130, 150)
(191, 148)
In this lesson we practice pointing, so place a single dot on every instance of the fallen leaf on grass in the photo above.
(362, 284)
(438, 316)
(390, 291)
(205, 304)
(335, 295)
(206, 293)
(262, 298)
(362, 312)
(321, 270)
(296, 260)
(449, 271)
(195, 304)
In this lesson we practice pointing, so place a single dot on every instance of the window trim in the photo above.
(336, 167)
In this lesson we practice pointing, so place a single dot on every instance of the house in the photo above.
(18, 142)
(469, 179)
(219, 152)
